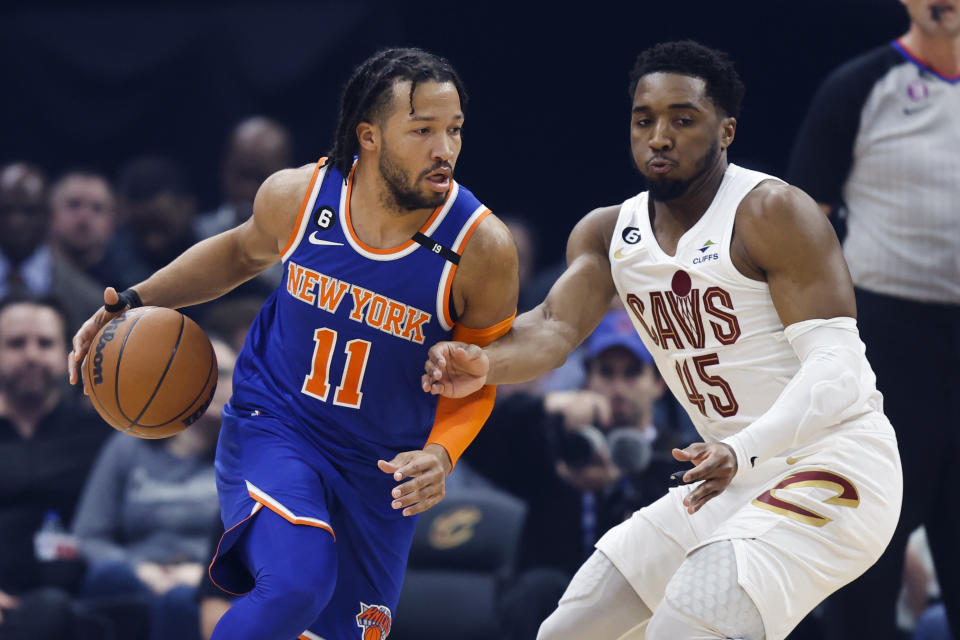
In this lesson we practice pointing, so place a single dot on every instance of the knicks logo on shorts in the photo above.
(375, 621)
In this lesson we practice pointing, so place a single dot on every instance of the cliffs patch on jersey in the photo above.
(376, 310)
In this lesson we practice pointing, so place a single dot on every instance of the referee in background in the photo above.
(881, 146)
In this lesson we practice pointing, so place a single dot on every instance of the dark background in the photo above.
(546, 132)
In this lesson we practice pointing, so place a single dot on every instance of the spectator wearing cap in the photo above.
(582, 460)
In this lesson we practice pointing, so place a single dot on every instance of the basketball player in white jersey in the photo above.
(737, 285)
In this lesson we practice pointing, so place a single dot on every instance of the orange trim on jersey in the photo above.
(217, 554)
(298, 521)
(458, 248)
(385, 252)
(459, 420)
(303, 207)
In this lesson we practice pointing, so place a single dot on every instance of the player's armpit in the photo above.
(459, 420)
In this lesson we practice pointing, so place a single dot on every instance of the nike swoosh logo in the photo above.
(792, 460)
(315, 240)
(907, 111)
(620, 254)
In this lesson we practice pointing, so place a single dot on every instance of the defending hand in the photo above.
(716, 465)
(455, 369)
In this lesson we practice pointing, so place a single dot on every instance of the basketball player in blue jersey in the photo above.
(328, 448)
(737, 286)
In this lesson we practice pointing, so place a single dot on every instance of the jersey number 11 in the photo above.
(317, 383)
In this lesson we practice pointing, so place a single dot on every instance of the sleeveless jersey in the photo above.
(714, 333)
(338, 349)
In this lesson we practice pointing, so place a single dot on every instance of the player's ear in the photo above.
(728, 130)
(368, 135)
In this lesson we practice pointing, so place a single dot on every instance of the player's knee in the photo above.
(300, 582)
(704, 599)
(295, 595)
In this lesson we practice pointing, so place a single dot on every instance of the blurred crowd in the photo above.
(105, 536)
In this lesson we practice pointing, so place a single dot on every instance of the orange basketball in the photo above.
(150, 372)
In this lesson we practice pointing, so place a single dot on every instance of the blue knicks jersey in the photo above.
(338, 348)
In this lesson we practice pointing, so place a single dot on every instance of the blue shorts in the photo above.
(264, 461)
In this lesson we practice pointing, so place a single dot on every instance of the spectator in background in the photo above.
(83, 223)
(159, 208)
(881, 142)
(48, 442)
(582, 460)
(27, 265)
(231, 319)
(527, 250)
(145, 518)
(257, 148)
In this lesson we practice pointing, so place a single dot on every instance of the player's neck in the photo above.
(942, 54)
(375, 215)
(685, 211)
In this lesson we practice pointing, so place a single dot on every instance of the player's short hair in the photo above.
(689, 58)
(368, 92)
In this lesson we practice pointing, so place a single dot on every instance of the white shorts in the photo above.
(802, 526)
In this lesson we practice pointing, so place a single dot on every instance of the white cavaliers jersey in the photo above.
(714, 333)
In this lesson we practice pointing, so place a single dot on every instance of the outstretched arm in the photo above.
(216, 265)
(541, 338)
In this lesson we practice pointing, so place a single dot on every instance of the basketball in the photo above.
(150, 372)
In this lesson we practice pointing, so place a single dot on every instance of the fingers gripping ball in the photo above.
(151, 372)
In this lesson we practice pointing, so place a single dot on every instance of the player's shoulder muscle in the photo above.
(487, 274)
(279, 199)
(776, 220)
(592, 234)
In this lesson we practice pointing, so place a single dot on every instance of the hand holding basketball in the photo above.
(150, 371)
(84, 337)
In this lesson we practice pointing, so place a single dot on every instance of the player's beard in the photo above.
(402, 189)
(667, 189)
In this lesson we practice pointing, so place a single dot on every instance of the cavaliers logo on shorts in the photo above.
(375, 621)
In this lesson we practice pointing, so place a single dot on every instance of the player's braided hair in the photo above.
(723, 84)
(368, 92)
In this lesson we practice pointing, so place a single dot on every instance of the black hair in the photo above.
(368, 92)
(148, 176)
(689, 58)
(47, 301)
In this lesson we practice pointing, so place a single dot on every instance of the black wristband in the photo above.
(129, 299)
